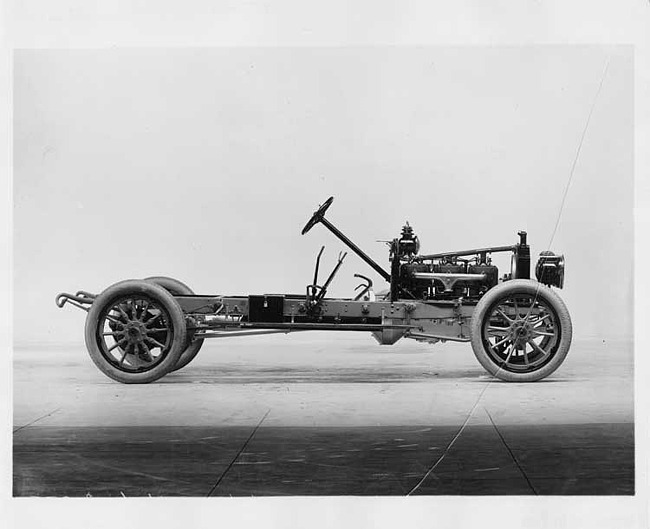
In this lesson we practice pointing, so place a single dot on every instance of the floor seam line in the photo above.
(241, 450)
(35, 420)
(512, 455)
(448, 447)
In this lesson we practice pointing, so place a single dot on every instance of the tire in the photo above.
(178, 288)
(521, 331)
(122, 327)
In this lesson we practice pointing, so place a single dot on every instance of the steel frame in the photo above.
(441, 320)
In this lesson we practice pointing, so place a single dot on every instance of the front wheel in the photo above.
(521, 331)
(135, 332)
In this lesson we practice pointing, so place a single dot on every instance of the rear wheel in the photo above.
(178, 288)
(521, 331)
(135, 332)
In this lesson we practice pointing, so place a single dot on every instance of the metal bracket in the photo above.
(448, 280)
(365, 287)
(78, 300)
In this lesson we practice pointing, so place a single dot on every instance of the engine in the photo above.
(439, 277)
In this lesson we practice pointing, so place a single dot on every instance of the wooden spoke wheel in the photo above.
(521, 331)
(135, 332)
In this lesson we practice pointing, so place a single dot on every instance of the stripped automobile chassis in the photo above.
(139, 330)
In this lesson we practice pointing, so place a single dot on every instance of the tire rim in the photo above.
(134, 333)
(521, 333)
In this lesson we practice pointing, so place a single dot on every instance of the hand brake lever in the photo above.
(321, 294)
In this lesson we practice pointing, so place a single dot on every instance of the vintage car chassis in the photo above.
(139, 330)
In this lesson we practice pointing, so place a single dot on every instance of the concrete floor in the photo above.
(324, 414)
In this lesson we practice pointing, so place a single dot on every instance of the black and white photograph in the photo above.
(326, 273)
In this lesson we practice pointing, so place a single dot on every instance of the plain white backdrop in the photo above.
(204, 164)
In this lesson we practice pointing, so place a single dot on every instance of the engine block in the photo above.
(468, 274)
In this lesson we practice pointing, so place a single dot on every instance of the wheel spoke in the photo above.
(148, 351)
(541, 333)
(114, 320)
(112, 333)
(145, 307)
(126, 349)
(538, 322)
(124, 314)
(501, 342)
(498, 309)
(537, 347)
(134, 309)
(155, 342)
(526, 362)
(510, 348)
(514, 301)
(498, 331)
(533, 302)
(494, 346)
(162, 329)
(116, 344)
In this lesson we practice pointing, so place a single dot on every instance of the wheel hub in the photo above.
(521, 332)
(135, 332)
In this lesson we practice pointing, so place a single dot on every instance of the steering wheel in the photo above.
(318, 215)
